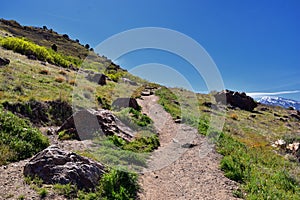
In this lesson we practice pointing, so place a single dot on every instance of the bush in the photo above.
(143, 143)
(18, 140)
(119, 185)
(59, 79)
(25, 47)
(44, 71)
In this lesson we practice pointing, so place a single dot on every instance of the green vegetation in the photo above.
(21, 197)
(134, 119)
(18, 140)
(117, 184)
(43, 192)
(263, 174)
(25, 47)
(107, 152)
(168, 100)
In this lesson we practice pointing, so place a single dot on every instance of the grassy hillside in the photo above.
(245, 143)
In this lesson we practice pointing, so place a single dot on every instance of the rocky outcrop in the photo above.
(128, 81)
(84, 124)
(97, 78)
(54, 165)
(4, 61)
(236, 99)
(125, 103)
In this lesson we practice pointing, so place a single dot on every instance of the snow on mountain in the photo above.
(279, 101)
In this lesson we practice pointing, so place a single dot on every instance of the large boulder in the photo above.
(125, 103)
(84, 124)
(97, 78)
(236, 99)
(54, 165)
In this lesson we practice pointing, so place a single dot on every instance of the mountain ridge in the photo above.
(280, 101)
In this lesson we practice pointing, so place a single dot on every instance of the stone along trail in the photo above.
(176, 169)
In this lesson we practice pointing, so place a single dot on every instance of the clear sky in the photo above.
(255, 44)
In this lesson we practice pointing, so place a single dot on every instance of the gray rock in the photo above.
(84, 124)
(54, 165)
(97, 78)
(126, 103)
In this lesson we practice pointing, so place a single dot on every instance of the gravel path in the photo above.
(177, 170)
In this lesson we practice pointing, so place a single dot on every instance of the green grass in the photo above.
(263, 174)
(167, 100)
(18, 140)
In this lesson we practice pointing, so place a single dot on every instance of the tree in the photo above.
(87, 46)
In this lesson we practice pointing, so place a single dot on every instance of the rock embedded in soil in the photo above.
(54, 165)
(4, 61)
(85, 123)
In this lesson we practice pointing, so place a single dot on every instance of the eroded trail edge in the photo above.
(176, 171)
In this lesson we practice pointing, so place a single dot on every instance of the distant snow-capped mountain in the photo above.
(279, 101)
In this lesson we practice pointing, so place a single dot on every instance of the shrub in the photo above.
(19, 137)
(234, 116)
(143, 143)
(25, 47)
(54, 47)
(72, 82)
(119, 185)
(62, 72)
(44, 71)
(42, 192)
(59, 79)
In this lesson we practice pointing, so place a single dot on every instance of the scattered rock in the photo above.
(146, 93)
(210, 105)
(188, 145)
(177, 121)
(4, 61)
(125, 103)
(97, 78)
(31, 57)
(236, 99)
(51, 131)
(128, 81)
(296, 115)
(85, 123)
(44, 63)
(264, 109)
(54, 165)
(207, 104)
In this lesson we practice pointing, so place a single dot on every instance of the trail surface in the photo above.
(177, 170)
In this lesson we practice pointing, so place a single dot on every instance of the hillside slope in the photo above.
(259, 170)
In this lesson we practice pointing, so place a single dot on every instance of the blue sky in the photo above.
(255, 44)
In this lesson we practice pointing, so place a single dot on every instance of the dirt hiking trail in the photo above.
(177, 171)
